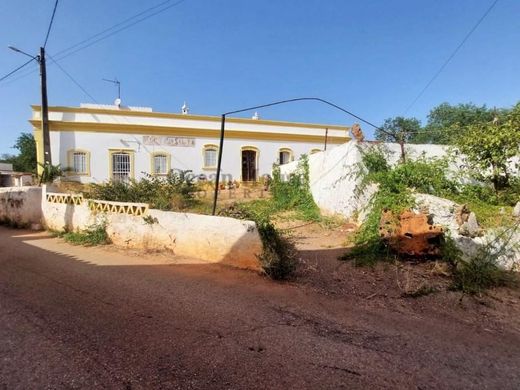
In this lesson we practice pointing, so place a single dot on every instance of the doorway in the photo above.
(248, 165)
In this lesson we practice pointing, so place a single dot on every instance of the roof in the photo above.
(146, 112)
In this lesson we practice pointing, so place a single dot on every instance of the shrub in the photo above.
(480, 272)
(278, 257)
(175, 191)
(93, 235)
(295, 193)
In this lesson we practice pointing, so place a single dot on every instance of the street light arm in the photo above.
(37, 58)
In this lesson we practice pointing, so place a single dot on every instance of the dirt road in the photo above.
(73, 317)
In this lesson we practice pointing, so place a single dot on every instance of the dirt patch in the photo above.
(421, 288)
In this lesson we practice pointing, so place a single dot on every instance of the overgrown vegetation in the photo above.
(395, 188)
(50, 173)
(279, 255)
(92, 236)
(294, 193)
(172, 192)
(479, 272)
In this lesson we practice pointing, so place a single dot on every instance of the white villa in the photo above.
(106, 142)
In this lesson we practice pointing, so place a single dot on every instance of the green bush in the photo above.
(93, 235)
(295, 193)
(175, 191)
(278, 257)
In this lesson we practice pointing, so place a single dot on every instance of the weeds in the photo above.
(479, 272)
(278, 257)
(92, 236)
(294, 193)
(422, 291)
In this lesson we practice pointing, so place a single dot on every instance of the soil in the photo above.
(102, 317)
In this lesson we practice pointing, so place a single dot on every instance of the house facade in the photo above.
(98, 143)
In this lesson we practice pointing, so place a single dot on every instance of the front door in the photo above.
(248, 165)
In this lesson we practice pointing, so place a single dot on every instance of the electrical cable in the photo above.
(50, 24)
(450, 57)
(73, 79)
(102, 35)
(16, 70)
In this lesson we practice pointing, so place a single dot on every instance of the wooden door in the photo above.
(248, 165)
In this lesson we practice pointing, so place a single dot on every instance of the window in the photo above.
(160, 164)
(121, 166)
(285, 156)
(79, 162)
(210, 156)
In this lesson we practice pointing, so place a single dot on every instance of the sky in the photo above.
(371, 57)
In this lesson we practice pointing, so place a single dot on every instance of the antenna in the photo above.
(118, 83)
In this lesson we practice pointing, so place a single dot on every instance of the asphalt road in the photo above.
(88, 318)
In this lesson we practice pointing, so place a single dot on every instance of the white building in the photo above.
(10, 178)
(100, 142)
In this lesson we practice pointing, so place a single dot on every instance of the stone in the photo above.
(471, 227)
(413, 234)
(516, 211)
(462, 214)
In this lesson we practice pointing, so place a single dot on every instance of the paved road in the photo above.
(97, 318)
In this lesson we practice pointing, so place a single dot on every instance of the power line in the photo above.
(72, 79)
(16, 70)
(103, 34)
(451, 56)
(50, 24)
(116, 31)
(113, 27)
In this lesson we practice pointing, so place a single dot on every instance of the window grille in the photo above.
(79, 162)
(121, 166)
(159, 164)
(210, 157)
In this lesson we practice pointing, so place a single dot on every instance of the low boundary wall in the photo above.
(21, 206)
(134, 225)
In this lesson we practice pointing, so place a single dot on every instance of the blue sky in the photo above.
(372, 57)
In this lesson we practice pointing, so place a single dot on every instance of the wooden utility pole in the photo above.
(45, 109)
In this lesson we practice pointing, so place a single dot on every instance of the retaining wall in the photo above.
(332, 175)
(134, 225)
(21, 205)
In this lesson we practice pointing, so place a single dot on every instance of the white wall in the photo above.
(213, 239)
(332, 175)
(21, 206)
(184, 158)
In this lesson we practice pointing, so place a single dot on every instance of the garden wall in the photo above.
(332, 175)
(133, 225)
(21, 206)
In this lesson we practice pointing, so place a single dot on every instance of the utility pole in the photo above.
(45, 109)
(326, 138)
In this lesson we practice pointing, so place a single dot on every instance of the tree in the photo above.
(25, 161)
(400, 130)
(445, 118)
(490, 146)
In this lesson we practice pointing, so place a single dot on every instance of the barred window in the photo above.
(79, 163)
(121, 166)
(210, 156)
(160, 165)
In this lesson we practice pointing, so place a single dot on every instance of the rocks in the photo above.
(502, 244)
(516, 211)
(412, 234)
(471, 227)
